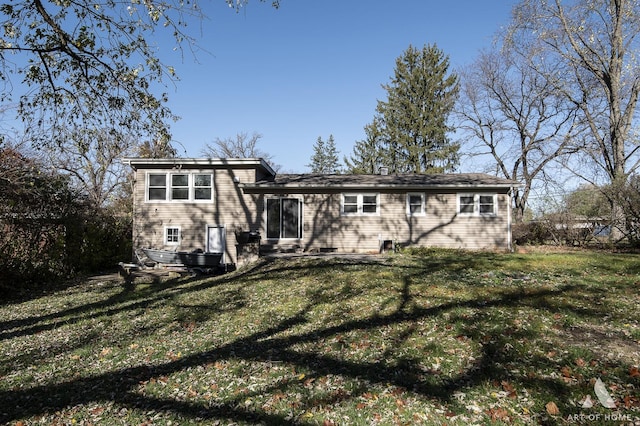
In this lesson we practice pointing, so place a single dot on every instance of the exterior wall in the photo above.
(323, 225)
(440, 226)
(230, 208)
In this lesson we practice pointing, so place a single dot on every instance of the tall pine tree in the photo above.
(420, 97)
(325, 157)
(367, 153)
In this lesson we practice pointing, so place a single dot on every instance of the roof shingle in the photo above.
(448, 180)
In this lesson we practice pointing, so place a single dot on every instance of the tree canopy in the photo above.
(515, 117)
(590, 52)
(367, 154)
(325, 157)
(242, 146)
(76, 65)
(414, 117)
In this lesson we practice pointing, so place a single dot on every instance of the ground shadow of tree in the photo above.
(274, 345)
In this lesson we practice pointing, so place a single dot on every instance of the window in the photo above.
(415, 204)
(350, 204)
(180, 187)
(467, 204)
(360, 204)
(486, 204)
(202, 187)
(477, 204)
(284, 218)
(172, 235)
(157, 187)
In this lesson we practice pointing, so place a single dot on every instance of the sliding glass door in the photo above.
(284, 218)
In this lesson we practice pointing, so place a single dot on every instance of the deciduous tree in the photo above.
(73, 65)
(515, 117)
(242, 146)
(589, 51)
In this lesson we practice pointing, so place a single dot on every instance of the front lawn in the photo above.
(441, 337)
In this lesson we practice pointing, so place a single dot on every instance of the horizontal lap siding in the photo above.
(230, 208)
(326, 227)
(439, 227)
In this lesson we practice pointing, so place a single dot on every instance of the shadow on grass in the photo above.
(270, 345)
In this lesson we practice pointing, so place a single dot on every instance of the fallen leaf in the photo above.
(630, 401)
(96, 411)
(498, 414)
(509, 389)
(552, 408)
(634, 372)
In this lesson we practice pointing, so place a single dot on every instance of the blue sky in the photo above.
(311, 68)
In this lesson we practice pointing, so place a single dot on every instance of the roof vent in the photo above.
(384, 171)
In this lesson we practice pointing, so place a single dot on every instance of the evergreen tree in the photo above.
(420, 97)
(367, 153)
(325, 157)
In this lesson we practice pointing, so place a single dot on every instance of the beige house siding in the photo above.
(230, 208)
(242, 186)
(440, 226)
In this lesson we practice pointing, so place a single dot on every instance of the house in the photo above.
(189, 203)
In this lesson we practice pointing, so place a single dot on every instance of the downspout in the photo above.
(509, 212)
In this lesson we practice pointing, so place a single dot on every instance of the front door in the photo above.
(216, 238)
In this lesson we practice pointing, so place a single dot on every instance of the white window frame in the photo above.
(148, 187)
(194, 187)
(191, 187)
(166, 235)
(171, 187)
(422, 211)
(360, 203)
(476, 204)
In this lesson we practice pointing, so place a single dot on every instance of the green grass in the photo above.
(437, 337)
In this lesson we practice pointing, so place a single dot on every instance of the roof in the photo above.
(401, 181)
(163, 163)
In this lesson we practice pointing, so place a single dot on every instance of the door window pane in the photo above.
(273, 218)
(290, 218)
(284, 218)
